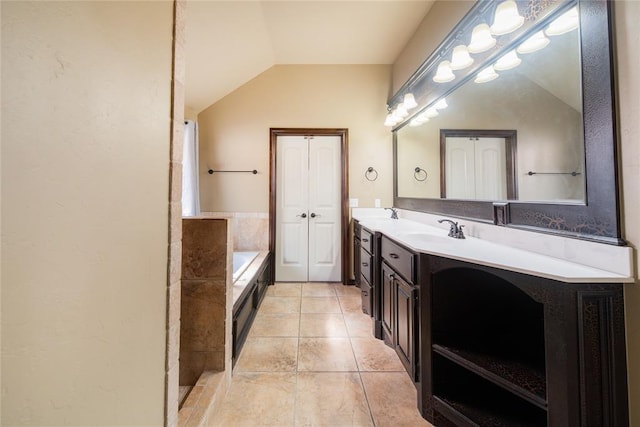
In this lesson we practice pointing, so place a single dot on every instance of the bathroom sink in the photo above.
(427, 238)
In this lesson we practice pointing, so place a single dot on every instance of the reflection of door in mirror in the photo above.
(478, 164)
(472, 167)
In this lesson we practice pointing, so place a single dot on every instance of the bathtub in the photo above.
(251, 276)
(242, 260)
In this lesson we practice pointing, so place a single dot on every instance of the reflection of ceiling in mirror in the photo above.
(556, 68)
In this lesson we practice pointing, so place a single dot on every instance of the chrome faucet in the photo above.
(455, 231)
(394, 213)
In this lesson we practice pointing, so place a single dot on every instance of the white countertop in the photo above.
(434, 240)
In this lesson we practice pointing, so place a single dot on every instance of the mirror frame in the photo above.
(598, 218)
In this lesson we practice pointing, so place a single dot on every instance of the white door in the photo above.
(476, 168)
(308, 209)
(491, 171)
(460, 168)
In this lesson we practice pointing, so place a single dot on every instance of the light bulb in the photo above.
(441, 104)
(431, 112)
(389, 120)
(506, 19)
(444, 73)
(416, 122)
(564, 23)
(533, 43)
(460, 58)
(486, 75)
(409, 101)
(508, 61)
(401, 111)
(481, 39)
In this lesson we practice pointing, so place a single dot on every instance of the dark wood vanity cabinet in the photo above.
(364, 243)
(399, 295)
(508, 349)
(491, 347)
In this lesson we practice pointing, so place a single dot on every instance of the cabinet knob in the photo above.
(304, 215)
(365, 240)
(364, 264)
(394, 256)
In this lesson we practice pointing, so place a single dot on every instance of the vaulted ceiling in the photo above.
(231, 42)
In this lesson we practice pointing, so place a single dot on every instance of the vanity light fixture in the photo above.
(481, 39)
(508, 61)
(460, 58)
(506, 19)
(444, 73)
(486, 75)
(564, 23)
(533, 43)
(441, 104)
(409, 101)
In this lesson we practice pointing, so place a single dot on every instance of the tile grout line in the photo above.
(364, 389)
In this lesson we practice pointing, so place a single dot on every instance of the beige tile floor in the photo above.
(311, 360)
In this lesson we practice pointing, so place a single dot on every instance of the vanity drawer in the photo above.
(366, 240)
(366, 265)
(400, 259)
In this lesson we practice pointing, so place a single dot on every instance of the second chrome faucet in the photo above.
(455, 230)
(394, 213)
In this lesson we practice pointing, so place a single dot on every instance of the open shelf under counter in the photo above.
(467, 399)
(516, 376)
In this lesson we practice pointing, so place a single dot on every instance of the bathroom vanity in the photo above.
(495, 335)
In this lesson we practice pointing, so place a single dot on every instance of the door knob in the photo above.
(304, 215)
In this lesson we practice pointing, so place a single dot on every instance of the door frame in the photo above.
(274, 133)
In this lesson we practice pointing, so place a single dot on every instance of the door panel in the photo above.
(460, 169)
(491, 175)
(292, 228)
(386, 295)
(325, 263)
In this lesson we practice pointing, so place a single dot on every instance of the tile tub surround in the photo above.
(205, 306)
(250, 229)
(321, 368)
(553, 257)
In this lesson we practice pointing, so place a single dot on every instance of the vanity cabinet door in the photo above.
(386, 297)
(406, 339)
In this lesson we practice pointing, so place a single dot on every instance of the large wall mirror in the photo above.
(516, 128)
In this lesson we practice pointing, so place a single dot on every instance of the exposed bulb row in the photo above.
(401, 111)
(429, 113)
(507, 19)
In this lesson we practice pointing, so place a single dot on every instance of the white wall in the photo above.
(85, 154)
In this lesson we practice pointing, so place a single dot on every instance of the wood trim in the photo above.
(274, 133)
(510, 141)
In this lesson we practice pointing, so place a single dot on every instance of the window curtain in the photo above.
(190, 187)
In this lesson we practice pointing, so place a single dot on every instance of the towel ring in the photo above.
(419, 171)
(370, 172)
